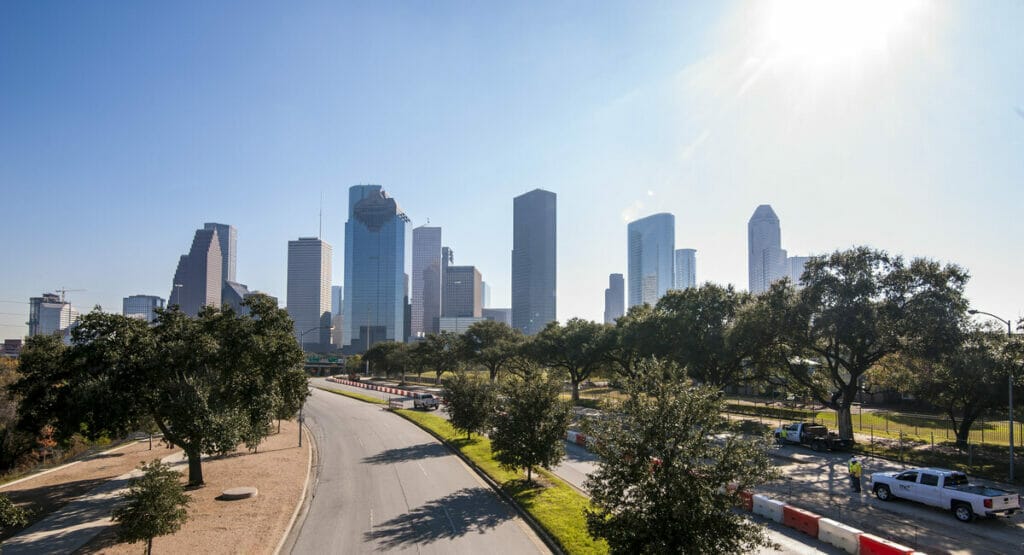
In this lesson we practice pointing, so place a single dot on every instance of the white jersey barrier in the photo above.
(839, 535)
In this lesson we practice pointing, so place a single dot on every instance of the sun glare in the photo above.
(826, 32)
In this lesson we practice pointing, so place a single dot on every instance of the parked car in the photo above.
(945, 489)
(815, 436)
(424, 401)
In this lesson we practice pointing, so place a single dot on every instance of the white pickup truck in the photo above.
(946, 489)
(424, 401)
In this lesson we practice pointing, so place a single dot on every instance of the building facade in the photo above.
(198, 278)
(227, 239)
(232, 296)
(614, 298)
(374, 268)
(652, 243)
(686, 269)
(458, 324)
(48, 314)
(426, 281)
(796, 267)
(503, 315)
(463, 294)
(766, 261)
(142, 307)
(309, 292)
(534, 260)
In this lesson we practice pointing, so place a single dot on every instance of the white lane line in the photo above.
(360, 442)
(371, 519)
(450, 521)
(424, 470)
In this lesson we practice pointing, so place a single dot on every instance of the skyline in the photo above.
(141, 124)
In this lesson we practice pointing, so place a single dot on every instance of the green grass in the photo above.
(359, 396)
(555, 505)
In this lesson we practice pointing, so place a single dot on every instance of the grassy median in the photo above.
(550, 501)
(357, 396)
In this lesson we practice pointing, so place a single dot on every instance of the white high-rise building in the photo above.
(652, 244)
(766, 261)
(686, 268)
(309, 291)
(48, 314)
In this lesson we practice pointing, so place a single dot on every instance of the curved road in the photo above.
(384, 485)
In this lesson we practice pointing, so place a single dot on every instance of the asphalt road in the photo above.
(384, 485)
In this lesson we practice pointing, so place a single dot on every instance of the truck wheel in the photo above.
(818, 446)
(963, 512)
(882, 492)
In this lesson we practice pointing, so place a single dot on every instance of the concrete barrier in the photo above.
(871, 544)
(768, 508)
(839, 535)
(570, 436)
(799, 519)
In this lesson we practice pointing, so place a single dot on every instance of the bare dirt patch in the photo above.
(256, 525)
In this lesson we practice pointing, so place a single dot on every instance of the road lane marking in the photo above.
(371, 519)
(422, 469)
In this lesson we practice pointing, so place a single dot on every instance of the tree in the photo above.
(663, 462)
(637, 335)
(441, 352)
(530, 424)
(491, 344)
(11, 515)
(14, 444)
(857, 307)
(155, 505)
(964, 383)
(578, 348)
(209, 383)
(382, 357)
(470, 402)
(704, 333)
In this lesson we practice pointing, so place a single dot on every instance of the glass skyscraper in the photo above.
(142, 307)
(652, 244)
(614, 298)
(533, 261)
(766, 261)
(227, 237)
(374, 268)
(309, 291)
(426, 280)
(686, 268)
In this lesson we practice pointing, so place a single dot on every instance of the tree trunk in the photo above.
(149, 546)
(529, 474)
(195, 468)
(845, 421)
(575, 391)
(494, 374)
(963, 431)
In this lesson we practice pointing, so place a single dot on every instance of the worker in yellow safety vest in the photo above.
(855, 472)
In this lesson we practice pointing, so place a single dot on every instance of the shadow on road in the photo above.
(469, 510)
(412, 452)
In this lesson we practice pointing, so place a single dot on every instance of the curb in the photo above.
(126, 445)
(543, 534)
(302, 498)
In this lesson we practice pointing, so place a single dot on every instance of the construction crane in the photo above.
(64, 291)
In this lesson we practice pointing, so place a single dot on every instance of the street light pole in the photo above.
(1009, 335)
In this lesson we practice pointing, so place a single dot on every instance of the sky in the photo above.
(125, 126)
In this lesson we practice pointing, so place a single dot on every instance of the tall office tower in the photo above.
(374, 268)
(461, 296)
(766, 261)
(614, 299)
(48, 314)
(142, 307)
(652, 245)
(337, 321)
(485, 290)
(534, 260)
(198, 281)
(686, 269)
(407, 311)
(426, 280)
(503, 315)
(227, 237)
(795, 268)
(337, 296)
(232, 296)
(309, 291)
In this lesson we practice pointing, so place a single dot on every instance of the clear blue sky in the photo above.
(125, 126)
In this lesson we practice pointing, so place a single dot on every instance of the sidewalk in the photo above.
(78, 522)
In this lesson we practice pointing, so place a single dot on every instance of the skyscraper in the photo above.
(462, 293)
(374, 268)
(652, 244)
(534, 260)
(309, 291)
(426, 280)
(48, 314)
(227, 238)
(142, 307)
(232, 295)
(198, 279)
(614, 299)
(766, 261)
(503, 315)
(686, 269)
(796, 267)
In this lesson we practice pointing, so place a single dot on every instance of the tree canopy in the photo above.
(209, 383)
(491, 344)
(470, 402)
(155, 505)
(578, 348)
(665, 459)
(530, 424)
